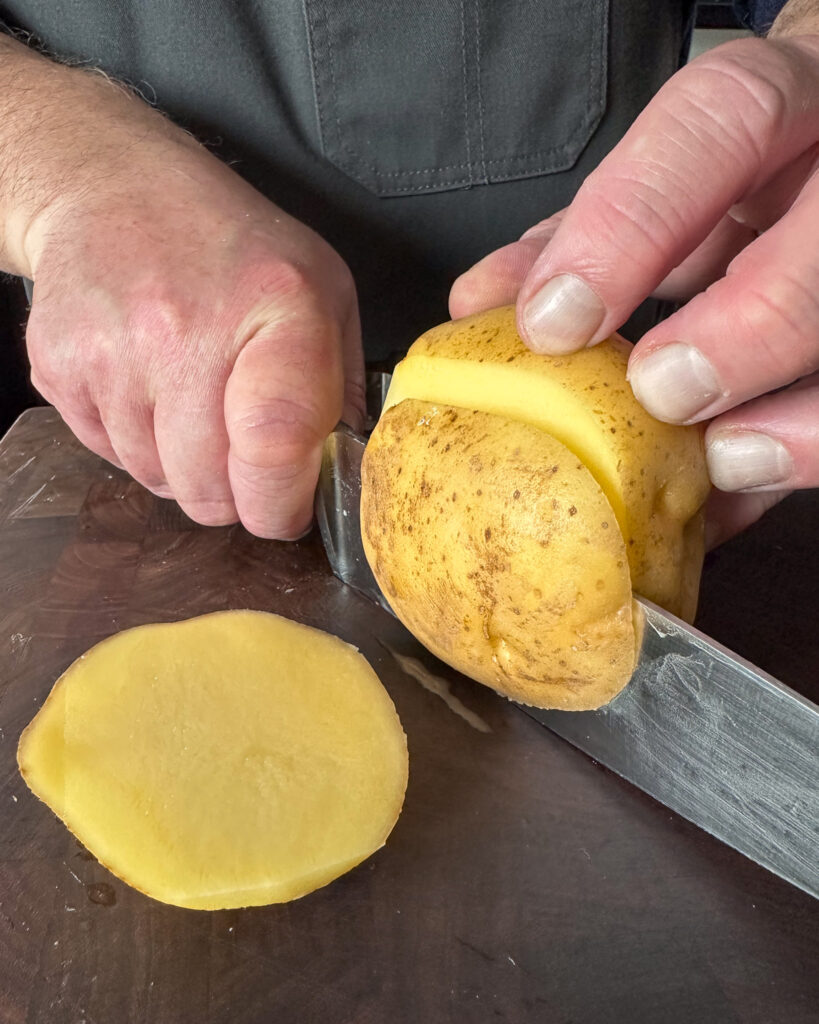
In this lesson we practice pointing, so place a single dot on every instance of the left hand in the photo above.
(712, 196)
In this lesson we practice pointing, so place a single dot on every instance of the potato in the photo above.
(568, 496)
(230, 760)
(480, 524)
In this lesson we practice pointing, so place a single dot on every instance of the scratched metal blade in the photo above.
(338, 499)
(703, 731)
(718, 741)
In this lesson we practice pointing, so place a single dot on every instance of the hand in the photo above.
(715, 187)
(188, 330)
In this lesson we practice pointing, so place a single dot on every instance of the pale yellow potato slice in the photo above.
(497, 548)
(229, 760)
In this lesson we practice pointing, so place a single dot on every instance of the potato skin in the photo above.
(496, 547)
(653, 473)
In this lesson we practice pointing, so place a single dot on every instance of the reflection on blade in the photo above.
(338, 514)
(716, 740)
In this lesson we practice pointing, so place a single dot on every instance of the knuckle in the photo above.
(756, 85)
(307, 286)
(638, 220)
(280, 279)
(781, 318)
(160, 314)
(276, 436)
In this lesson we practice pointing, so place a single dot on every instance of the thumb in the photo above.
(284, 396)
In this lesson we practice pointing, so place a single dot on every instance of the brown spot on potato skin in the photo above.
(439, 602)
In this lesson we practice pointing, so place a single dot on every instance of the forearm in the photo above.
(798, 17)
(63, 131)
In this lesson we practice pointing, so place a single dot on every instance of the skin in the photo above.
(191, 332)
(186, 328)
(711, 198)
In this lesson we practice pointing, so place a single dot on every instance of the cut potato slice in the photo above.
(497, 548)
(230, 760)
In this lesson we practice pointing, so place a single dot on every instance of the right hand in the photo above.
(188, 330)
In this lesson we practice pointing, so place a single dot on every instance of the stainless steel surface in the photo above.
(338, 515)
(699, 728)
(718, 741)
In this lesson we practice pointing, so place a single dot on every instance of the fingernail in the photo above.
(563, 316)
(746, 460)
(675, 383)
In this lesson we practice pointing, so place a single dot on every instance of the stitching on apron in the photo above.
(331, 60)
(478, 92)
(357, 164)
(311, 48)
(467, 132)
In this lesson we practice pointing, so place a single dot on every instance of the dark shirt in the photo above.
(758, 15)
(415, 137)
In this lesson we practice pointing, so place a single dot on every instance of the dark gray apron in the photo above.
(414, 136)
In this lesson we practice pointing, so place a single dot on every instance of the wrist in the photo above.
(67, 135)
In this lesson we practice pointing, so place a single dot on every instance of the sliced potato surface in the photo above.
(230, 760)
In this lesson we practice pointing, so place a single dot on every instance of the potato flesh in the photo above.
(230, 760)
(652, 473)
(497, 548)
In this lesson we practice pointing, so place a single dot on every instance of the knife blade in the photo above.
(700, 729)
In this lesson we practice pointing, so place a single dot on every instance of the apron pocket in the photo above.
(442, 94)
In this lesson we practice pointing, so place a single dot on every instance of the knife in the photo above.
(700, 729)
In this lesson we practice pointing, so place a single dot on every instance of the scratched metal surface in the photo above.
(522, 883)
(716, 740)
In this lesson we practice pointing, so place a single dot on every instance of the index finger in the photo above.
(714, 134)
